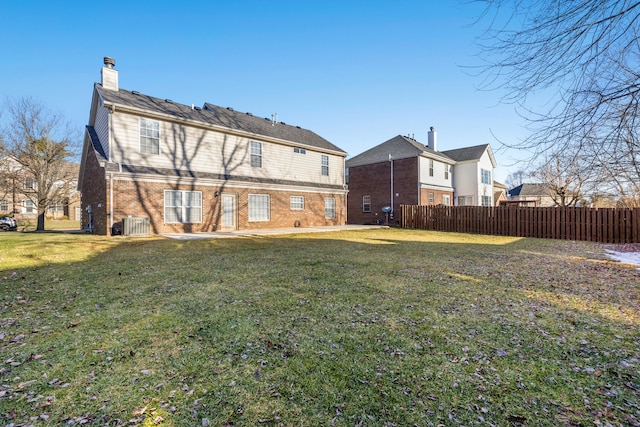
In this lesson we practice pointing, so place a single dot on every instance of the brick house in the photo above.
(190, 169)
(404, 171)
(18, 196)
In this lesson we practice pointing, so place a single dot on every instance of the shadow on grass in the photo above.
(364, 327)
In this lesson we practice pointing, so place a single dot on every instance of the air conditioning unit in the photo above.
(135, 226)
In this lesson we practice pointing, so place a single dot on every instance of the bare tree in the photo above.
(567, 177)
(516, 178)
(41, 142)
(572, 69)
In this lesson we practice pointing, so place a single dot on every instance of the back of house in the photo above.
(178, 168)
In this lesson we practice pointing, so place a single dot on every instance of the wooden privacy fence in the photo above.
(602, 225)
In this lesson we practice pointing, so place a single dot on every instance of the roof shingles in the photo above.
(218, 116)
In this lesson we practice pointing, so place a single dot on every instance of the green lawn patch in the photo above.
(385, 327)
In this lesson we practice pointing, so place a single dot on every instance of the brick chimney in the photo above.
(433, 139)
(109, 74)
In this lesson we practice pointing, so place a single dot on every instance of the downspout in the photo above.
(111, 111)
(391, 164)
(111, 201)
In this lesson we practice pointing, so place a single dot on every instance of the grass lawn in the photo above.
(49, 225)
(384, 327)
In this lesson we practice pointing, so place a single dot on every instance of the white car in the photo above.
(8, 223)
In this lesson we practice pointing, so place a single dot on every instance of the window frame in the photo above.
(432, 198)
(446, 199)
(485, 173)
(146, 146)
(296, 205)
(4, 205)
(324, 164)
(299, 150)
(256, 154)
(184, 212)
(29, 183)
(28, 207)
(446, 172)
(488, 201)
(330, 211)
(431, 168)
(366, 203)
(254, 213)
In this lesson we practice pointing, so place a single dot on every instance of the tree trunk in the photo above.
(40, 226)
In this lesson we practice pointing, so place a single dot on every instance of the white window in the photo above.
(259, 207)
(256, 154)
(300, 150)
(4, 206)
(446, 171)
(465, 200)
(346, 175)
(296, 203)
(56, 207)
(29, 184)
(329, 207)
(366, 203)
(486, 200)
(149, 136)
(325, 165)
(28, 207)
(182, 207)
(486, 176)
(431, 199)
(430, 167)
(446, 200)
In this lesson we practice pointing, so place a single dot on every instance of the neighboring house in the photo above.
(17, 194)
(532, 195)
(499, 193)
(403, 171)
(189, 169)
(473, 175)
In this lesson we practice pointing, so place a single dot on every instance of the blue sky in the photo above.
(355, 72)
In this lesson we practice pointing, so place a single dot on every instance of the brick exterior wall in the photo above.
(94, 193)
(375, 180)
(146, 199)
(140, 199)
(437, 196)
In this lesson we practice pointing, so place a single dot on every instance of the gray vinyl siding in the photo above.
(102, 129)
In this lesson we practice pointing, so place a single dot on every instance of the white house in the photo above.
(473, 175)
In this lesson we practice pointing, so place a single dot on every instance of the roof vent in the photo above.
(249, 114)
(109, 62)
(135, 92)
(168, 100)
(197, 108)
(229, 108)
(298, 127)
(282, 123)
